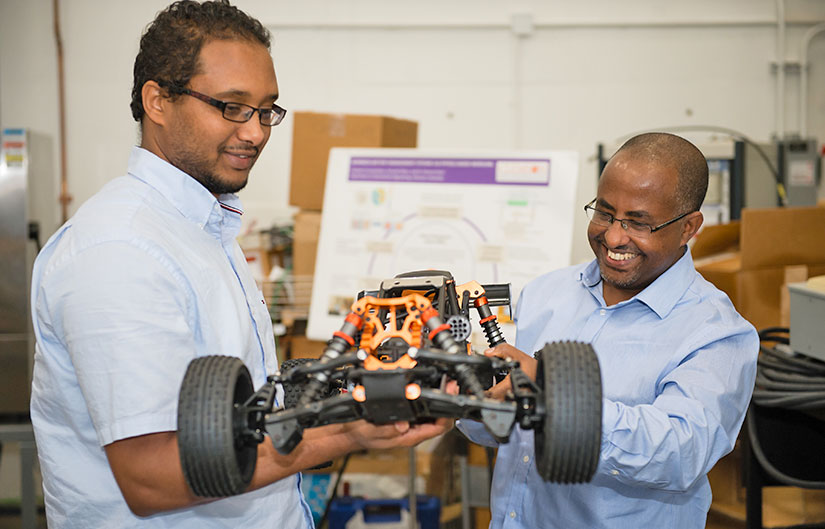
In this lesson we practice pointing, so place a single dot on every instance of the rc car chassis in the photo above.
(389, 362)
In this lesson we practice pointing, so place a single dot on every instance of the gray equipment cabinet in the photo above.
(28, 211)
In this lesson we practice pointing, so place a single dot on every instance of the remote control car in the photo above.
(390, 361)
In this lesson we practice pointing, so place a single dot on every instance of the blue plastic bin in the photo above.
(383, 512)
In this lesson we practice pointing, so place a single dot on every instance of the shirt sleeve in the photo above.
(694, 420)
(476, 432)
(122, 314)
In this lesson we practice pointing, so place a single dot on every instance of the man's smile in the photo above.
(621, 256)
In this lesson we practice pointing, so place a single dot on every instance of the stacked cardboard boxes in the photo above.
(313, 135)
(753, 261)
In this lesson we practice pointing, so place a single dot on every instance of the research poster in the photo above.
(492, 217)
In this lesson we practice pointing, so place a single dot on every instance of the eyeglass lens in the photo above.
(634, 228)
(242, 113)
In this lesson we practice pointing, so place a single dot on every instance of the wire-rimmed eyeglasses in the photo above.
(634, 228)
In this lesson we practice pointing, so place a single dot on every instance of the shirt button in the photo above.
(512, 514)
(602, 312)
(615, 472)
(526, 459)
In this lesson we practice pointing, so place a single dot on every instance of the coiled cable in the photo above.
(786, 380)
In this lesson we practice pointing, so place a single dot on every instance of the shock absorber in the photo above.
(442, 340)
(489, 322)
(342, 340)
(286, 435)
(467, 378)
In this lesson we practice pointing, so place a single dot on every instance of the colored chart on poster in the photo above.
(492, 217)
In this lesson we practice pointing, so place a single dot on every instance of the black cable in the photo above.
(788, 364)
(771, 470)
(34, 234)
(788, 381)
(334, 492)
(785, 379)
(774, 334)
(781, 384)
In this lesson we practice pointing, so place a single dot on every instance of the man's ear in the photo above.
(692, 224)
(155, 102)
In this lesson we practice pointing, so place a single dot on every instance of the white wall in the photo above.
(588, 72)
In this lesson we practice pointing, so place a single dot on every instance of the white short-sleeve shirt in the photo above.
(144, 278)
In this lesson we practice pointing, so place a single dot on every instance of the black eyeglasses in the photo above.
(237, 112)
(632, 227)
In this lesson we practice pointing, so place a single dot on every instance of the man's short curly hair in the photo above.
(171, 45)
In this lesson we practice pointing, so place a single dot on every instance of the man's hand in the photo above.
(505, 351)
(148, 471)
(400, 434)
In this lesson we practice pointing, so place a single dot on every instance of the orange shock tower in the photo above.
(375, 333)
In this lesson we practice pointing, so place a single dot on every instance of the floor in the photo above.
(718, 521)
(715, 521)
(8, 521)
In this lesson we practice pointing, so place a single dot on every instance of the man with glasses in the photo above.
(678, 362)
(147, 276)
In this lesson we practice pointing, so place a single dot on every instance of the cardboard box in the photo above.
(305, 242)
(299, 346)
(313, 135)
(770, 246)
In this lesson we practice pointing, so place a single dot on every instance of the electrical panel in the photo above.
(801, 170)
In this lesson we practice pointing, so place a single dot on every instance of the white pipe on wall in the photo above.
(803, 77)
(780, 69)
(521, 26)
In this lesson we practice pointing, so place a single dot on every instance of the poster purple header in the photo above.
(490, 171)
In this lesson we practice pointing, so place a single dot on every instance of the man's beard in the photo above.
(214, 185)
(207, 178)
(624, 284)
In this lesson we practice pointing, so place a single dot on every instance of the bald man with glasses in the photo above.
(678, 362)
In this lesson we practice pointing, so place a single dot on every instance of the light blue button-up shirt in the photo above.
(144, 278)
(678, 365)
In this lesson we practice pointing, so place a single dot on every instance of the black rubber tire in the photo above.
(215, 461)
(568, 442)
(292, 392)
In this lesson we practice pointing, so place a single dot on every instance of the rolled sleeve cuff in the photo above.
(134, 426)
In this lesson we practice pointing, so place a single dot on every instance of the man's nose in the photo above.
(253, 131)
(616, 235)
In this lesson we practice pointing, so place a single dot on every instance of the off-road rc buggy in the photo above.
(389, 362)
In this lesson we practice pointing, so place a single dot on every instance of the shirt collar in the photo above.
(187, 195)
(660, 296)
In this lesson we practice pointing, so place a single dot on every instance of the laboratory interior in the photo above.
(523, 264)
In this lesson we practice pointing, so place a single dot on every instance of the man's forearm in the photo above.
(318, 445)
(148, 470)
